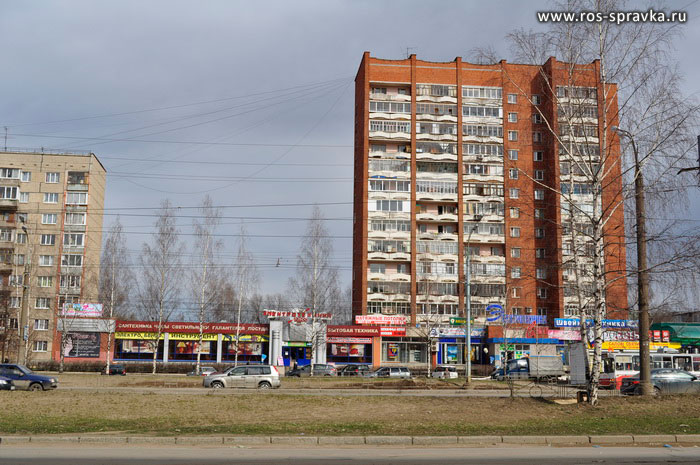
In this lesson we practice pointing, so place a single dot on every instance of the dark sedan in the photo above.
(115, 370)
(353, 370)
(320, 369)
(665, 381)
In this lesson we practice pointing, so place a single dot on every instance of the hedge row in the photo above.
(131, 367)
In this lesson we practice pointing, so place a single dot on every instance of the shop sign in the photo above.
(192, 327)
(458, 332)
(498, 315)
(136, 335)
(574, 323)
(458, 321)
(564, 335)
(634, 345)
(297, 344)
(82, 310)
(246, 337)
(82, 345)
(191, 337)
(392, 331)
(397, 320)
(367, 331)
(349, 340)
(297, 315)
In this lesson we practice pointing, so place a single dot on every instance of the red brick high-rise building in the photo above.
(455, 158)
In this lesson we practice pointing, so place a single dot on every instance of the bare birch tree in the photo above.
(159, 287)
(316, 285)
(205, 282)
(246, 280)
(116, 279)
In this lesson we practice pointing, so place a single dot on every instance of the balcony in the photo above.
(434, 98)
(396, 256)
(390, 97)
(436, 156)
(386, 195)
(9, 204)
(382, 115)
(436, 118)
(440, 137)
(437, 236)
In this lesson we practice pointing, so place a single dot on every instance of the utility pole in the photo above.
(24, 309)
(642, 271)
(468, 305)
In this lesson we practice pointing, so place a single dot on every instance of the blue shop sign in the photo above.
(574, 323)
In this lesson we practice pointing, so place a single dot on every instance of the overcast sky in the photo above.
(276, 74)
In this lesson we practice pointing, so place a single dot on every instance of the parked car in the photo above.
(6, 384)
(353, 370)
(391, 372)
(665, 381)
(115, 370)
(445, 372)
(203, 371)
(246, 376)
(498, 374)
(26, 379)
(320, 369)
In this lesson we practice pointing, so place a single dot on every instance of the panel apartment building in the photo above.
(51, 206)
(455, 158)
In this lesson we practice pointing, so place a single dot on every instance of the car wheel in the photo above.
(217, 385)
(656, 391)
(264, 385)
(35, 387)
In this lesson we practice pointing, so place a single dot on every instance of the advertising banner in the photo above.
(191, 337)
(192, 347)
(248, 348)
(82, 345)
(136, 335)
(392, 331)
(452, 352)
(564, 335)
(348, 350)
(392, 352)
(82, 310)
(397, 320)
(357, 331)
(191, 327)
(349, 340)
(136, 346)
(575, 323)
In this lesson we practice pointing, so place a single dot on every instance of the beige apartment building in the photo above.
(51, 206)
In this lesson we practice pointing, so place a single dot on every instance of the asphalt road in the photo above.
(64, 455)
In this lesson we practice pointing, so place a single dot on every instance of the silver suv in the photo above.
(247, 376)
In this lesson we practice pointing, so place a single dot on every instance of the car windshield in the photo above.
(24, 369)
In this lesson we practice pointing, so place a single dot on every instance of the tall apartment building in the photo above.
(51, 207)
(456, 158)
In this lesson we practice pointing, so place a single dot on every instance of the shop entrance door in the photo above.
(302, 355)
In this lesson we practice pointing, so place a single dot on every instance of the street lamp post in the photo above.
(468, 304)
(642, 272)
(24, 308)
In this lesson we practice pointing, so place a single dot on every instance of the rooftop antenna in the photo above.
(408, 51)
(5, 138)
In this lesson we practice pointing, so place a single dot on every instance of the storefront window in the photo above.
(187, 350)
(349, 353)
(403, 350)
(137, 349)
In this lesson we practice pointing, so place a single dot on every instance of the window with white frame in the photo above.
(539, 175)
(52, 178)
(536, 136)
(537, 118)
(9, 173)
(9, 193)
(46, 260)
(514, 193)
(536, 99)
(514, 231)
(50, 197)
(512, 98)
(513, 173)
(515, 252)
(516, 310)
(76, 198)
(6, 234)
(16, 280)
(512, 154)
(73, 239)
(72, 259)
(24, 197)
(541, 292)
(44, 281)
(21, 238)
(514, 212)
(15, 301)
(75, 218)
(40, 346)
(70, 281)
(541, 273)
(542, 311)
(539, 233)
(539, 194)
(512, 117)
(48, 239)
(515, 292)
(26, 176)
(539, 253)
(42, 302)
(539, 213)
(377, 268)
(538, 155)
(20, 259)
(512, 136)
(41, 325)
(48, 218)
(515, 272)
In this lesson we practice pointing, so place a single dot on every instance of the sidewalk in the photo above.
(320, 441)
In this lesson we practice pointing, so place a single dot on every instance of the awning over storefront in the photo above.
(684, 333)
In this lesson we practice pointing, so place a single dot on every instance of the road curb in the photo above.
(427, 441)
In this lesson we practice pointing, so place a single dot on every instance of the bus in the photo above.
(619, 365)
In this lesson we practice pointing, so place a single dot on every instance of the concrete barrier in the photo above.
(294, 440)
(15, 439)
(434, 440)
(103, 439)
(247, 440)
(341, 440)
(526, 440)
(389, 440)
(688, 438)
(619, 439)
(55, 439)
(654, 438)
(150, 440)
(477, 440)
(194, 440)
(564, 440)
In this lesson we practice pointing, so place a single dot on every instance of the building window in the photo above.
(537, 136)
(539, 213)
(539, 253)
(52, 178)
(50, 197)
(514, 232)
(24, 197)
(46, 260)
(512, 98)
(44, 281)
(41, 325)
(539, 194)
(512, 136)
(373, 267)
(537, 118)
(21, 238)
(76, 198)
(514, 193)
(541, 273)
(539, 233)
(20, 259)
(9, 193)
(41, 346)
(16, 280)
(512, 154)
(48, 239)
(512, 117)
(539, 155)
(513, 173)
(48, 218)
(541, 292)
(73, 259)
(515, 252)
(539, 175)
(15, 301)
(514, 212)
(536, 99)
(542, 311)
(515, 293)
(73, 240)
(6, 234)
(70, 281)
(516, 310)
(515, 272)
(42, 302)
(26, 176)
(75, 218)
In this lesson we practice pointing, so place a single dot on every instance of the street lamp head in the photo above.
(477, 218)
(24, 228)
